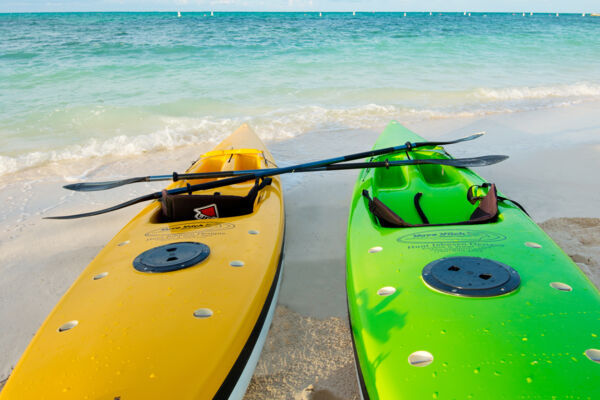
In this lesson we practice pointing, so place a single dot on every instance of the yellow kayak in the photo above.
(169, 309)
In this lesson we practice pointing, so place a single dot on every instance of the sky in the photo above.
(563, 6)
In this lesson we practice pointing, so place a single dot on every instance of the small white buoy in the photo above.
(430, 13)
(353, 12)
(530, 13)
(583, 15)
(469, 14)
(557, 14)
(179, 14)
(523, 14)
(212, 14)
(320, 14)
(405, 14)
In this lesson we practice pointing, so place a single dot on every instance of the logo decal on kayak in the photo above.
(207, 212)
(451, 240)
(451, 236)
(189, 230)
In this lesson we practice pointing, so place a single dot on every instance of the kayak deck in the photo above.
(177, 334)
(415, 342)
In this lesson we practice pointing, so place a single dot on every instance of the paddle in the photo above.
(457, 162)
(94, 186)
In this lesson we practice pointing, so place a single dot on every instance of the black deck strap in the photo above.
(515, 203)
(175, 176)
(189, 188)
(419, 209)
(191, 206)
(409, 146)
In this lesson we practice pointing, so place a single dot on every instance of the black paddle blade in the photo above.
(465, 139)
(473, 161)
(127, 203)
(94, 186)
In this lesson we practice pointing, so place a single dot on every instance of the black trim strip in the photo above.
(240, 364)
(361, 379)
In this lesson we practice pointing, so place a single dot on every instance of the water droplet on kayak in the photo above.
(100, 276)
(203, 313)
(477, 370)
(593, 354)
(253, 232)
(124, 243)
(386, 291)
(420, 358)
(561, 286)
(533, 245)
(529, 380)
(68, 325)
(375, 249)
(237, 263)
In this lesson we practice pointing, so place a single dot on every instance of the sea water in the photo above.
(81, 85)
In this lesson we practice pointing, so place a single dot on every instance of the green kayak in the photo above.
(455, 293)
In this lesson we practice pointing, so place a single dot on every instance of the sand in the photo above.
(308, 353)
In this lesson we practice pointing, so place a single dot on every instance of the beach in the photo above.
(308, 353)
(102, 96)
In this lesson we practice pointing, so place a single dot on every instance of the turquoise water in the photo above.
(79, 85)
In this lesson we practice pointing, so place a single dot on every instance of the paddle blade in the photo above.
(469, 162)
(465, 139)
(128, 203)
(94, 186)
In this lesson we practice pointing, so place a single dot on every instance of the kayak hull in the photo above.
(191, 333)
(415, 341)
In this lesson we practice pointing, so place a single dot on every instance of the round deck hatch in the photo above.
(471, 276)
(171, 257)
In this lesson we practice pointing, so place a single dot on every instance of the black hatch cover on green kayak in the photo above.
(471, 277)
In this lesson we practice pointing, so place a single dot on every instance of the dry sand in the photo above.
(308, 353)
